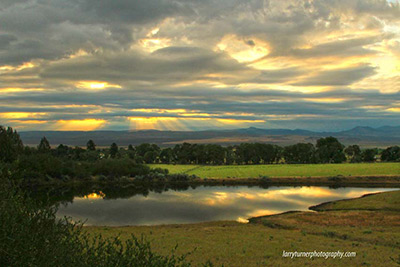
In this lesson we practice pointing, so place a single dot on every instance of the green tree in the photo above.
(167, 155)
(113, 150)
(90, 145)
(10, 144)
(368, 155)
(61, 151)
(142, 149)
(150, 157)
(268, 153)
(215, 153)
(185, 153)
(353, 153)
(78, 152)
(330, 150)
(299, 153)
(229, 155)
(131, 152)
(44, 145)
(391, 154)
(247, 154)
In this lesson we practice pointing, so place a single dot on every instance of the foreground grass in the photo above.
(390, 201)
(285, 170)
(373, 234)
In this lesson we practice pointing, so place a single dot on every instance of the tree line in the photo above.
(326, 150)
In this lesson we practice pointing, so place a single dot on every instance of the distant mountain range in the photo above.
(365, 136)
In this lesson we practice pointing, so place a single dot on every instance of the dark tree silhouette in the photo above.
(368, 155)
(167, 155)
(330, 150)
(391, 154)
(10, 144)
(299, 153)
(90, 145)
(44, 145)
(113, 150)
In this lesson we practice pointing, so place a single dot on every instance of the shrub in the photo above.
(160, 170)
(180, 177)
(32, 236)
(119, 167)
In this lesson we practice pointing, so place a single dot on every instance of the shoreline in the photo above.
(392, 180)
(336, 181)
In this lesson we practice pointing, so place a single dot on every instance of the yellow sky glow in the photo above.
(95, 85)
(171, 123)
(393, 109)
(80, 125)
(17, 90)
(21, 115)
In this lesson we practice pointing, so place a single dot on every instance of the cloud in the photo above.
(136, 11)
(339, 48)
(5, 40)
(168, 65)
(285, 64)
(338, 77)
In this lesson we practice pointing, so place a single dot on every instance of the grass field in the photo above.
(389, 201)
(373, 234)
(285, 170)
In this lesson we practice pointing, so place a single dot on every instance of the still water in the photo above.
(200, 204)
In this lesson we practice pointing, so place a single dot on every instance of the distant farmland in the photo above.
(285, 170)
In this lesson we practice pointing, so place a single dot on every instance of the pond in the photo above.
(143, 206)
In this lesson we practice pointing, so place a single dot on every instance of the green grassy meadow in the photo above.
(285, 170)
(358, 226)
(390, 201)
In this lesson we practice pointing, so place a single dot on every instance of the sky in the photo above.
(325, 65)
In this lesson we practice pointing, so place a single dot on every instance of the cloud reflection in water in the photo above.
(202, 204)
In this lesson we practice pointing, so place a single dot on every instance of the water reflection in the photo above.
(190, 205)
(94, 195)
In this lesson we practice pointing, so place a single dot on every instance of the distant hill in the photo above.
(365, 136)
(387, 131)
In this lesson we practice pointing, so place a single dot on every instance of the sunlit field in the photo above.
(285, 170)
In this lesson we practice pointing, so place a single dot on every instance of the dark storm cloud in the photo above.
(27, 50)
(133, 11)
(6, 39)
(165, 65)
(56, 28)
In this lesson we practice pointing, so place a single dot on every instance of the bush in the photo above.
(180, 177)
(160, 170)
(38, 166)
(32, 236)
(119, 167)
